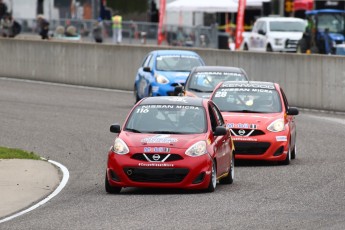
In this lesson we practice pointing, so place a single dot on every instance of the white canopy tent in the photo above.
(208, 6)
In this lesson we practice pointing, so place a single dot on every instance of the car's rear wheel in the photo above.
(213, 180)
(111, 189)
(229, 179)
(150, 92)
(136, 97)
(288, 158)
(269, 48)
(294, 152)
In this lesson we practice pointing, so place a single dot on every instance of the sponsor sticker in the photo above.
(165, 165)
(156, 149)
(281, 138)
(161, 138)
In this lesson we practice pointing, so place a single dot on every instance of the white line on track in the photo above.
(62, 184)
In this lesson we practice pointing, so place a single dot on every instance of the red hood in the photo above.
(161, 140)
(248, 120)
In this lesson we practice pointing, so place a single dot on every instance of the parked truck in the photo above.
(325, 31)
(274, 34)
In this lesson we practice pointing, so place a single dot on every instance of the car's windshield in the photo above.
(248, 100)
(282, 26)
(183, 63)
(207, 81)
(333, 22)
(167, 119)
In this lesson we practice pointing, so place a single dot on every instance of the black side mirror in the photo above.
(220, 131)
(262, 32)
(115, 128)
(178, 91)
(147, 69)
(292, 111)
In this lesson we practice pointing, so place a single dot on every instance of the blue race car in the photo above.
(162, 71)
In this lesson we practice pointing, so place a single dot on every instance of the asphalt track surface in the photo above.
(70, 125)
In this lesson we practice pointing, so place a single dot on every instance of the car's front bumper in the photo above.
(187, 173)
(273, 147)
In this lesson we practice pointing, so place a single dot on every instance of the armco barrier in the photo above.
(309, 81)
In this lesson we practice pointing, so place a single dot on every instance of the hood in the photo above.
(250, 120)
(173, 76)
(287, 35)
(160, 140)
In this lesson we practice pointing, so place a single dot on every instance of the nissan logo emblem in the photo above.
(241, 132)
(156, 157)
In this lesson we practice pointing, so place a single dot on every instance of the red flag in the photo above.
(161, 21)
(240, 22)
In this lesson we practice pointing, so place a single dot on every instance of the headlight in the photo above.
(161, 79)
(197, 149)
(277, 126)
(120, 147)
(278, 41)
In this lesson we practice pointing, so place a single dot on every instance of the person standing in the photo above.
(43, 26)
(97, 31)
(3, 9)
(117, 29)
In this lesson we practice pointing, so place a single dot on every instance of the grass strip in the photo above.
(10, 153)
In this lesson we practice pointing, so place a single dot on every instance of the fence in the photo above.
(133, 32)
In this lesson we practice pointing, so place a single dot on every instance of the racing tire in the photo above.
(136, 94)
(269, 48)
(229, 179)
(213, 180)
(245, 47)
(288, 158)
(293, 152)
(302, 46)
(111, 189)
(150, 92)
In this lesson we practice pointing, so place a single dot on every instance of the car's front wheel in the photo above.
(294, 152)
(288, 158)
(229, 179)
(213, 180)
(136, 97)
(111, 189)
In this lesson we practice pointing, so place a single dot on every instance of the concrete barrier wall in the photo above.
(309, 81)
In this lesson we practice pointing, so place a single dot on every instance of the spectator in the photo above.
(97, 31)
(117, 29)
(3, 9)
(6, 25)
(43, 26)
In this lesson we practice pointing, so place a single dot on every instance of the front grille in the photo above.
(251, 148)
(155, 175)
(291, 44)
(247, 132)
(171, 157)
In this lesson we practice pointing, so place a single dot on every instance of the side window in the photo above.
(264, 26)
(147, 60)
(286, 104)
(213, 118)
(218, 115)
(151, 62)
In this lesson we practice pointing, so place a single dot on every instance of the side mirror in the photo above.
(115, 128)
(261, 32)
(292, 111)
(147, 69)
(178, 91)
(220, 131)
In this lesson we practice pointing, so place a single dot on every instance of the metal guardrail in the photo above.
(133, 32)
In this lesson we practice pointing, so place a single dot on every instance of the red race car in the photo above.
(171, 142)
(261, 122)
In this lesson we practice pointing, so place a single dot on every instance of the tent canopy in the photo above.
(209, 6)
